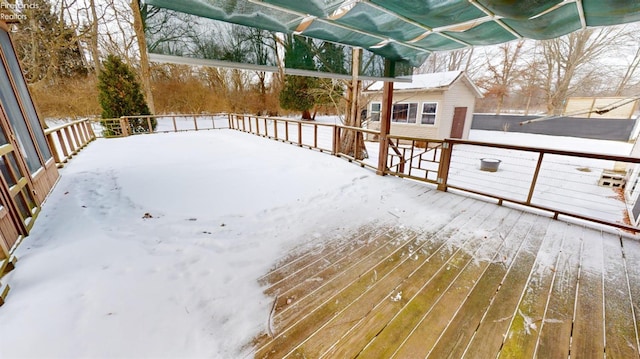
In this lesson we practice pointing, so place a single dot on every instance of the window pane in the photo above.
(413, 112)
(23, 92)
(428, 119)
(400, 112)
(17, 120)
(5, 173)
(22, 207)
(429, 113)
(375, 111)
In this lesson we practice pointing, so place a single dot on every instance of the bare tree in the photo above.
(456, 60)
(630, 72)
(564, 57)
(138, 27)
(503, 70)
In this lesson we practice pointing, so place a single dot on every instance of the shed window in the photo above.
(375, 111)
(429, 113)
(404, 112)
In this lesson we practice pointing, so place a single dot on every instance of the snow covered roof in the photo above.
(433, 81)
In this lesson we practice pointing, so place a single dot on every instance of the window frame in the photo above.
(394, 118)
(434, 114)
(26, 114)
(375, 115)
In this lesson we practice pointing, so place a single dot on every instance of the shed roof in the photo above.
(430, 82)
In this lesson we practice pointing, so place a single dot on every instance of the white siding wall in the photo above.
(414, 129)
(458, 95)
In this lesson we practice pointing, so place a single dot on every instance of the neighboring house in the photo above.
(28, 170)
(601, 107)
(432, 106)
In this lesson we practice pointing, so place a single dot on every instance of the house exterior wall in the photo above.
(457, 95)
(28, 169)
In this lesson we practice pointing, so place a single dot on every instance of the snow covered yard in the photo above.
(151, 245)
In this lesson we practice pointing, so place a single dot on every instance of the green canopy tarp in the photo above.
(403, 31)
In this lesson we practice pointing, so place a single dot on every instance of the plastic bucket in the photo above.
(489, 164)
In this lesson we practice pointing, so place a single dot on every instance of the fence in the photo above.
(572, 184)
(581, 185)
(135, 125)
(561, 182)
(335, 139)
(67, 139)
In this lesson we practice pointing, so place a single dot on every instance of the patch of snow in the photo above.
(152, 245)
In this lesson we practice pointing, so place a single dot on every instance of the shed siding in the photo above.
(456, 95)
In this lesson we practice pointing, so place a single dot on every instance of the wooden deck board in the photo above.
(491, 281)
(421, 340)
(320, 257)
(386, 289)
(620, 335)
(453, 342)
(387, 334)
(555, 329)
(631, 250)
(521, 338)
(420, 287)
(587, 338)
(348, 287)
(326, 268)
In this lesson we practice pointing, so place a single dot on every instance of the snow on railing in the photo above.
(67, 139)
(324, 137)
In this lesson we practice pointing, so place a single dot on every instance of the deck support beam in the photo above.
(385, 120)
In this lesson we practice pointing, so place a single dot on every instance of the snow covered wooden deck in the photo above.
(490, 282)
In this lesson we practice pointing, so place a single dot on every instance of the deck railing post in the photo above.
(286, 130)
(385, 127)
(90, 129)
(275, 128)
(67, 134)
(54, 149)
(445, 163)
(78, 128)
(336, 140)
(315, 135)
(534, 180)
(266, 129)
(63, 146)
(300, 134)
(124, 127)
(76, 137)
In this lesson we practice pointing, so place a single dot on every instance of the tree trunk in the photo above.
(352, 142)
(93, 39)
(144, 59)
(306, 115)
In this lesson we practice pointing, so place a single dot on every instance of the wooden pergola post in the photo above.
(385, 119)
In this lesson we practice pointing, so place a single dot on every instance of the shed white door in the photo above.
(457, 127)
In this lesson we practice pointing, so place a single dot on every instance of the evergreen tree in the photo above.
(298, 91)
(120, 94)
